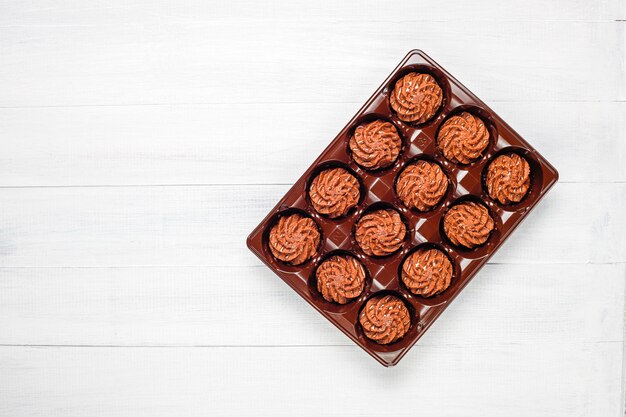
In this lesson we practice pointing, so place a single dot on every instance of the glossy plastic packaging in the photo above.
(466, 182)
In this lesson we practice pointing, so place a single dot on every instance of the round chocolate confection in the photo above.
(463, 138)
(380, 232)
(385, 319)
(340, 278)
(508, 178)
(468, 224)
(421, 185)
(416, 97)
(333, 192)
(427, 272)
(375, 145)
(294, 239)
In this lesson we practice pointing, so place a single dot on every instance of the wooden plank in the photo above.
(132, 61)
(542, 380)
(209, 306)
(184, 144)
(621, 42)
(540, 340)
(207, 226)
(42, 12)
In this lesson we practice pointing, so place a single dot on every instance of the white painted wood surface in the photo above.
(142, 141)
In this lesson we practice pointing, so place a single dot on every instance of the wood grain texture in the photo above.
(76, 12)
(142, 141)
(211, 306)
(207, 225)
(184, 144)
(543, 380)
(128, 61)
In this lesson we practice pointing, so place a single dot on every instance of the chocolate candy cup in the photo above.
(380, 232)
(334, 192)
(421, 185)
(466, 183)
(294, 239)
(468, 224)
(416, 97)
(375, 145)
(508, 178)
(385, 319)
(427, 272)
(340, 278)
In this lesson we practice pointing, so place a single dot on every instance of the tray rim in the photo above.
(436, 312)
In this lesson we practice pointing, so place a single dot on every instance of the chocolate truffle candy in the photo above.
(508, 178)
(333, 192)
(385, 319)
(375, 145)
(468, 224)
(294, 239)
(416, 97)
(427, 272)
(380, 232)
(340, 278)
(421, 185)
(463, 138)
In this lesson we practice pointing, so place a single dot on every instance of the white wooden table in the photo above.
(142, 141)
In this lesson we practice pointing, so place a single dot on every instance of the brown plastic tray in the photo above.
(466, 182)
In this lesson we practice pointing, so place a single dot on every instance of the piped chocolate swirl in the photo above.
(508, 178)
(468, 224)
(427, 272)
(385, 319)
(463, 138)
(421, 185)
(380, 232)
(340, 278)
(333, 192)
(416, 97)
(294, 239)
(375, 145)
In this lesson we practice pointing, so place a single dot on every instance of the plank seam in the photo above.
(221, 185)
(204, 103)
(347, 345)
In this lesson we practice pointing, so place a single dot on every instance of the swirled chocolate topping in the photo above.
(416, 97)
(380, 232)
(375, 145)
(468, 224)
(340, 278)
(427, 272)
(421, 185)
(508, 178)
(294, 239)
(334, 192)
(385, 319)
(463, 138)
